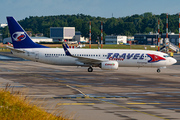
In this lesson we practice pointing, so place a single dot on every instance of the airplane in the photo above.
(106, 59)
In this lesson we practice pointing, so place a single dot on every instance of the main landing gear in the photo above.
(90, 69)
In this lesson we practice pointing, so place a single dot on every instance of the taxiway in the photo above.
(125, 94)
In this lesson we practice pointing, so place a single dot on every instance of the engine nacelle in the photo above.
(110, 65)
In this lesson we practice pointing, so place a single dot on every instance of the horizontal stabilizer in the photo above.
(16, 50)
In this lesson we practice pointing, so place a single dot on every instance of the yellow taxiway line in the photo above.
(142, 103)
(75, 103)
(132, 109)
(106, 102)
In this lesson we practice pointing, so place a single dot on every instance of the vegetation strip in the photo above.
(128, 25)
(18, 107)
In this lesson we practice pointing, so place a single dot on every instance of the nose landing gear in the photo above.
(158, 70)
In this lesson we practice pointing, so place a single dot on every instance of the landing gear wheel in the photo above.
(158, 70)
(90, 69)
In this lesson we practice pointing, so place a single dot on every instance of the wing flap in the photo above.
(87, 60)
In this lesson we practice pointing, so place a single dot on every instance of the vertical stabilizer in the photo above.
(20, 38)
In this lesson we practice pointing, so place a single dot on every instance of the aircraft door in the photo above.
(36, 55)
(28, 54)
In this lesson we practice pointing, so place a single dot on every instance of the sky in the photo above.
(20, 9)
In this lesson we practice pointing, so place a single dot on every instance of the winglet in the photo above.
(67, 46)
(66, 50)
(16, 50)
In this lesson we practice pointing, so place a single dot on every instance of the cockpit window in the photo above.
(166, 56)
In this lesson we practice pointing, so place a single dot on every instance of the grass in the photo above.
(148, 47)
(18, 107)
(94, 46)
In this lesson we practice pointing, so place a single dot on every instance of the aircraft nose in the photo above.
(173, 61)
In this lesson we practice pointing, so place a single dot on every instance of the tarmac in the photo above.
(128, 93)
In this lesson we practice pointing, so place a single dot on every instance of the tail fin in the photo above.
(20, 38)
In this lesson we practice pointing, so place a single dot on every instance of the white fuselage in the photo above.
(124, 57)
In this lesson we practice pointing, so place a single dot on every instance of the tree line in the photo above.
(129, 25)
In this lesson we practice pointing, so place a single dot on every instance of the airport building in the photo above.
(34, 39)
(152, 38)
(57, 34)
(66, 34)
(0, 38)
(78, 37)
(3, 25)
(62, 33)
(115, 39)
(130, 40)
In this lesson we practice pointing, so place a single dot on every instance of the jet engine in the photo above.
(110, 65)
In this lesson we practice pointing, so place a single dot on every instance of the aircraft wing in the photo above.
(87, 60)
(82, 59)
(16, 50)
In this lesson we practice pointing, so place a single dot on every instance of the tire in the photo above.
(158, 70)
(90, 69)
